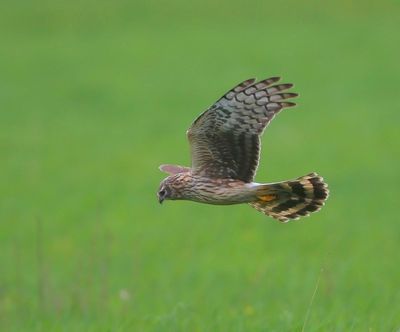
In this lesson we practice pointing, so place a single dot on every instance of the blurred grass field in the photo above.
(95, 95)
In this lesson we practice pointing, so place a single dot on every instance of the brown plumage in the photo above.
(225, 146)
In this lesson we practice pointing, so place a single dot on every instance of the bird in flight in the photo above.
(225, 149)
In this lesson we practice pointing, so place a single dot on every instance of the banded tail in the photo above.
(293, 199)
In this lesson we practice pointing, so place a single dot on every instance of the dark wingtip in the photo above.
(273, 78)
(288, 104)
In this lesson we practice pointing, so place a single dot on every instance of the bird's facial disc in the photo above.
(162, 194)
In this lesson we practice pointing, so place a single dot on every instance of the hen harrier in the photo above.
(225, 146)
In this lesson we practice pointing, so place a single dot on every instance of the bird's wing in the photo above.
(225, 139)
(173, 169)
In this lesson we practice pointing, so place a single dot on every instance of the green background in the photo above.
(96, 94)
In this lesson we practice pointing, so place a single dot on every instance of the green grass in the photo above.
(95, 95)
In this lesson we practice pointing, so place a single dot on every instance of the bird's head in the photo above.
(171, 188)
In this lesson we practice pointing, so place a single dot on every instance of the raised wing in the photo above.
(225, 139)
(173, 169)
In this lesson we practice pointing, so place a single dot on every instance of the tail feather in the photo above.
(293, 199)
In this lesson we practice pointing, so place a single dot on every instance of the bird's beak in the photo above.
(160, 199)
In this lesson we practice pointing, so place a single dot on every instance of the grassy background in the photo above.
(96, 94)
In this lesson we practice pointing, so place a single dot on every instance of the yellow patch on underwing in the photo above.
(267, 198)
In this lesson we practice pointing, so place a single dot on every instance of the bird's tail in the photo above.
(290, 200)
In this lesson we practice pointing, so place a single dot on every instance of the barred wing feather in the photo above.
(225, 139)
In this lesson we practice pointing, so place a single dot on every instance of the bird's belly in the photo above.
(229, 194)
(217, 201)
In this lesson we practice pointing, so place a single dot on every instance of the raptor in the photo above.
(225, 148)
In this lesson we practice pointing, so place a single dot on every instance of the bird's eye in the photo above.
(162, 192)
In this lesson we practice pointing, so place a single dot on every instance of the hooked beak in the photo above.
(160, 199)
